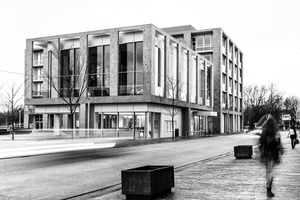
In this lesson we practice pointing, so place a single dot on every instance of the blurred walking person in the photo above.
(270, 148)
(293, 135)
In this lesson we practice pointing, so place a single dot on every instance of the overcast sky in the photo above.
(267, 31)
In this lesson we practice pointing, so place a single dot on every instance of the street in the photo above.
(62, 175)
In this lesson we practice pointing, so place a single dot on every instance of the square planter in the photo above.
(243, 151)
(147, 182)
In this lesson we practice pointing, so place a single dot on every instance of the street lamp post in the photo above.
(88, 117)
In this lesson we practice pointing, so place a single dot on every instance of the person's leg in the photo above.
(269, 177)
(292, 143)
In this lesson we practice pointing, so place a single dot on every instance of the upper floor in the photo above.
(116, 65)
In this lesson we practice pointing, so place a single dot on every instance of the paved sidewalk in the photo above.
(230, 178)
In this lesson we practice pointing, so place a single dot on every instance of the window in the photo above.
(38, 58)
(131, 69)
(99, 70)
(204, 42)
(159, 64)
(224, 97)
(224, 61)
(202, 79)
(37, 89)
(207, 56)
(126, 120)
(109, 121)
(224, 79)
(224, 42)
(69, 73)
(183, 74)
(193, 79)
(209, 77)
(168, 125)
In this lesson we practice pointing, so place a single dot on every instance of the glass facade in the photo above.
(183, 75)
(131, 76)
(99, 71)
(203, 42)
(159, 64)
(193, 79)
(69, 73)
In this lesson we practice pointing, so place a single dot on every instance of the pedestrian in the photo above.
(270, 149)
(293, 135)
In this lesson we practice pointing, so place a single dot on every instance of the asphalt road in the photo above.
(62, 175)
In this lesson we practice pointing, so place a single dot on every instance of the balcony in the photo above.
(204, 49)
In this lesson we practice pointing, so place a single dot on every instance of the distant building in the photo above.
(128, 71)
(227, 58)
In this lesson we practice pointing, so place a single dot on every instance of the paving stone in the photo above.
(230, 178)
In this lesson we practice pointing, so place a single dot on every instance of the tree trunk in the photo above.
(173, 127)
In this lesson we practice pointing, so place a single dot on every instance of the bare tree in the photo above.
(274, 103)
(292, 107)
(254, 102)
(173, 103)
(72, 80)
(11, 101)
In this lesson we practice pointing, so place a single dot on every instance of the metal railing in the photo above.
(198, 134)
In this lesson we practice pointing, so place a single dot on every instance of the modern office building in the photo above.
(125, 81)
(227, 58)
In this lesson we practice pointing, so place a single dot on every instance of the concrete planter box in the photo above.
(147, 182)
(243, 151)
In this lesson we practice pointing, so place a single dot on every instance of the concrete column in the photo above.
(147, 125)
(186, 120)
(28, 70)
(55, 69)
(26, 116)
(56, 124)
(45, 121)
(148, 60)
(152, 125)
(161, 124)
(187, 39)
(82, 116)
(114, 62)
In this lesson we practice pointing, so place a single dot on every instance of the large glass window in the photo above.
(193, 81)
(159, 63)
(202, 80)
(69, 73)
(99, 70)
(204, 42)
(131, 69)
(209, 80)
(126, 120)
(110, 120)
(38, 58)
(183, 75)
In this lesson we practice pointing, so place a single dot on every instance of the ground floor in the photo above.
(231, 122)
(132, 120)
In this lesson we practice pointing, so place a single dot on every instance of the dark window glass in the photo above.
(126, 57)
(139, 56)
(106, 59)
(131, 69)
